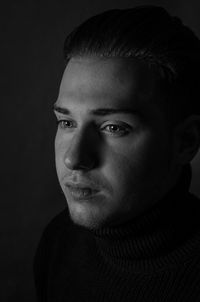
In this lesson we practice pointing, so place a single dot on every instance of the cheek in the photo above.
(123, 171)
(59, 154)
(136, 166)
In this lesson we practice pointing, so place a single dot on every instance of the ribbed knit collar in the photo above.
(157, 234)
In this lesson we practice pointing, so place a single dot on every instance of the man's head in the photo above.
(128, 113)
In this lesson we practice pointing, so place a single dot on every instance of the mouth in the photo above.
(79, 192)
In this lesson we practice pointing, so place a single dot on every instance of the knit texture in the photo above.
(155, 257)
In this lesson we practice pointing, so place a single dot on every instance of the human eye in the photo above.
(65, 124)
(117, 129)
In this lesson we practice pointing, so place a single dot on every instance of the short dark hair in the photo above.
(150, 34)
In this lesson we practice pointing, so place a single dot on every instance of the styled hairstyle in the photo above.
(150, 34)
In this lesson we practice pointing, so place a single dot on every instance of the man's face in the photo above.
(113, 148)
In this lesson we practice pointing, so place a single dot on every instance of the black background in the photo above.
(32, 63)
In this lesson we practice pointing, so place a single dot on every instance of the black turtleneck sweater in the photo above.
(154, 258)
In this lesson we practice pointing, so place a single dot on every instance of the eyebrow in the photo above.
(99, 111)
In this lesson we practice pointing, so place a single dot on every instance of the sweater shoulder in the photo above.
(57, 234)
(58, 224)
(54, 238)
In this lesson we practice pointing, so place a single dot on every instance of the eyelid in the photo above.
(60, 115)
(126, 129)
(71, 121)
(116, 123)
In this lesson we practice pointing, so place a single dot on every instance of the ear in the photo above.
(187, 139)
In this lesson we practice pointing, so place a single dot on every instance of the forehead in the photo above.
(91, 79)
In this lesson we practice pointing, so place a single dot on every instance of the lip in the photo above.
(81, 191)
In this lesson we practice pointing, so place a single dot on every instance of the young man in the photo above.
(128, 128)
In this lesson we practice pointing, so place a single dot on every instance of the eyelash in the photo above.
(60, 122)
(122, 129)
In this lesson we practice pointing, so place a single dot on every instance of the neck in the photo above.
(155, 233)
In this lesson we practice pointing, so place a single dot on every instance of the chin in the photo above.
(88, 217)
(86, 221)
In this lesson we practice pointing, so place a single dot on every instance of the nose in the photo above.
(80, 153)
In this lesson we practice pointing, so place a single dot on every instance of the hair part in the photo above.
(150, 34)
